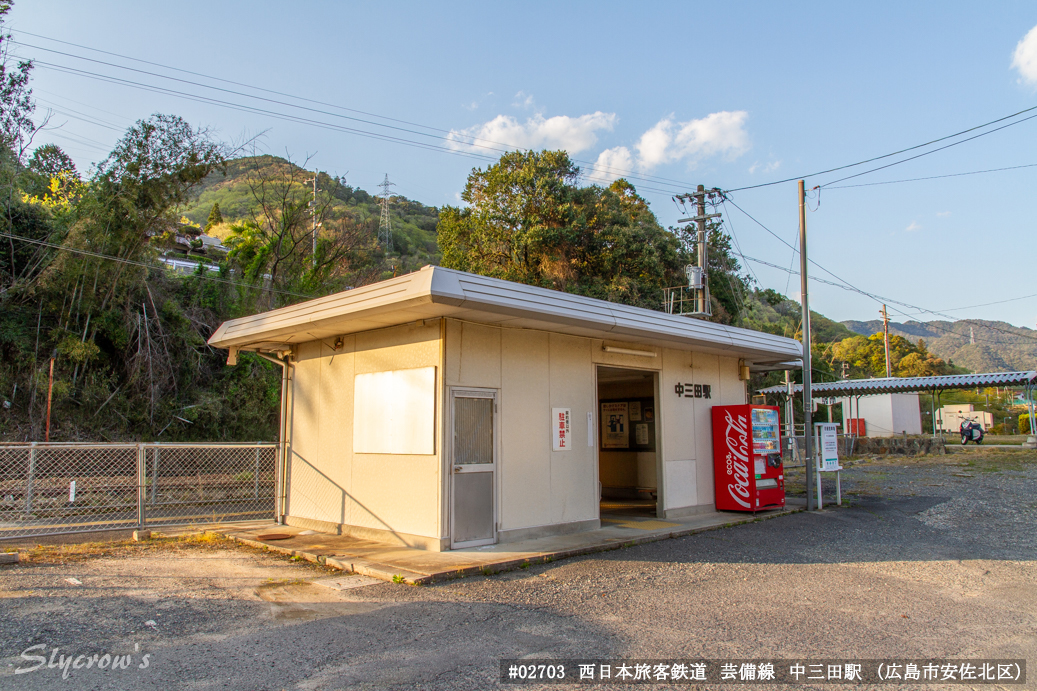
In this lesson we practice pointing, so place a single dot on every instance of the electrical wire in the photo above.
(931, 177)
(450, 135)
(894, 153)
(926, 153)
(145, 265)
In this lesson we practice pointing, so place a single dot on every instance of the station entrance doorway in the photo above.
(628, 424)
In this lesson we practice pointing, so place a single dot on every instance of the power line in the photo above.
(895, 153)
(931, 177)
(145, 265)
(452, 136)
(878, 298)
(926, 153)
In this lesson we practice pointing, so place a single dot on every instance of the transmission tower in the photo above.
(385, 226)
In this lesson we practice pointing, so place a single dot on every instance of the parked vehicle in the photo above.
(971, 431)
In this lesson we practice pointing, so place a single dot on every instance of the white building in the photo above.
(885, 414)
(443, 409)
(950, 417)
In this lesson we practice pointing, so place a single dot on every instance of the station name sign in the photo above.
(693, 390)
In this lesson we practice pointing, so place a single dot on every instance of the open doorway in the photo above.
(627, 414)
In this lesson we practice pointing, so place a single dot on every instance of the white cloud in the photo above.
(523, 100)
(559, 132)
(1025, 57)
(765, 168)
(612, 164)
(912, 228)
(471, 106)
(717, 133)
(943, 214)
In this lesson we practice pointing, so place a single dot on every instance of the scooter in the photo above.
(970, 431)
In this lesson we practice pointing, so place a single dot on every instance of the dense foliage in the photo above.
(528, 220)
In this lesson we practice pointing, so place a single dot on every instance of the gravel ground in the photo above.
(932, 557)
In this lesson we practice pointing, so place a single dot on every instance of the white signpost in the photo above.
(826, 443)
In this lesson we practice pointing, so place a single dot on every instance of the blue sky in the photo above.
(726, 95)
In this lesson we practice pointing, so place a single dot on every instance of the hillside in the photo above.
(413, 223)
(999, 347)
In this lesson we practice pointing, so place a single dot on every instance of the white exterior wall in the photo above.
(405, 498)
(536, 371)
(885, 415)
(687, 437)
(383, 496)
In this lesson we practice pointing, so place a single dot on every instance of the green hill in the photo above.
(236, 190)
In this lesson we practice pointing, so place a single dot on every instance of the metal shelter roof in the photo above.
(436, 292)
(864, 387)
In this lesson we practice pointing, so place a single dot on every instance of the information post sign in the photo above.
(826, 441)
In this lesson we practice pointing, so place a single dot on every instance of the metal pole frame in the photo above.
(141, 493)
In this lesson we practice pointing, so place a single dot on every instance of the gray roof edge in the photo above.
(460, 289)
(913, 384)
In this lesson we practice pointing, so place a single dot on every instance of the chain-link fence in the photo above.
(69, 488)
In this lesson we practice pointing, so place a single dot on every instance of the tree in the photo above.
(275, 244)
(866, 357)
(527, 220)
(17, 127)
(215, 217)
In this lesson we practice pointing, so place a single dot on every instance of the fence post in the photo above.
(154, 473)
(255, 475)
(141, 453)
(31, 478)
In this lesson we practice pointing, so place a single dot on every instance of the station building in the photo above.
(445, 410)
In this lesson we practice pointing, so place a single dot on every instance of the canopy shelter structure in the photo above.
(855, 388)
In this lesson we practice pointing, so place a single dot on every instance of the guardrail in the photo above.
(50, 489)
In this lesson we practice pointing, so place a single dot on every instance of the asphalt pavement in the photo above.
(931, 558)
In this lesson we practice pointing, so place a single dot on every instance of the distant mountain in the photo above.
(998, 347)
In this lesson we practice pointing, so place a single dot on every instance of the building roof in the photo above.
(436, 292)
(859, 387)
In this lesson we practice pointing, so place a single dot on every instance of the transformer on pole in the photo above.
(693, 300)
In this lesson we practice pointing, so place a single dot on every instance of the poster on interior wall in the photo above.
(614, 432)
(641, 435)
(560, 424)
(635, 411)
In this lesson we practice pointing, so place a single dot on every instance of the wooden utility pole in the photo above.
(885, 339)
(808, 431)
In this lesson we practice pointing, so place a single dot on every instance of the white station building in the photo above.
(445, 410)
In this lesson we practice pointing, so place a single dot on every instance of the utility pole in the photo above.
(698, 276)
(885, 339)
(385, 225)
(972, 336)
(700, 221)
(808, 438)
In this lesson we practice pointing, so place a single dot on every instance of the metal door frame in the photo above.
(472, 392)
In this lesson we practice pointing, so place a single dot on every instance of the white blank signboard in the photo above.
(395, 412)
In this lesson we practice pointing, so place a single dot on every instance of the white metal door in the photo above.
(473, 514)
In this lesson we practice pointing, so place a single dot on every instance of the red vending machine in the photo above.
(747, 458)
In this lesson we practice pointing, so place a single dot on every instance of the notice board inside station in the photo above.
(627, 424)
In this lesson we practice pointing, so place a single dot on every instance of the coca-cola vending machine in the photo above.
(747, 458)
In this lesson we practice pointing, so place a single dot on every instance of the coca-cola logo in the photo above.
(737, 438)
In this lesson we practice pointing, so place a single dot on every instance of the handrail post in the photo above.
(255, 475)
(141, 452)
(30, 478)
